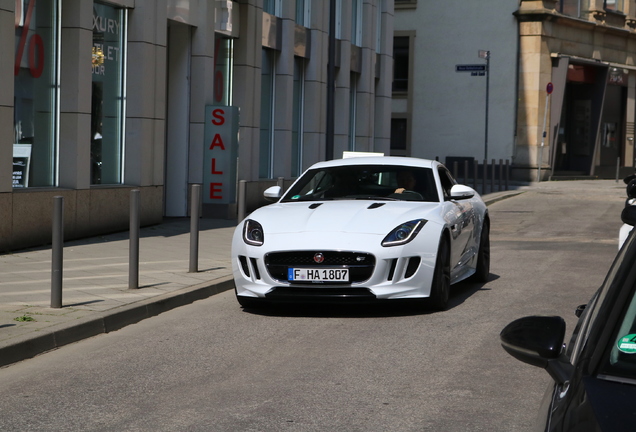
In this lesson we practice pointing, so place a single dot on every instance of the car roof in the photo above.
(377, 160)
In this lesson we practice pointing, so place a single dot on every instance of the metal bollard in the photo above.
(242, 186)
(465, 172)
(500, 175)
(507, 173)
(280, 182)
(195, 214)
(492, 176)
(57, 258)
(475, 169)
(133, 257)
(485, 176)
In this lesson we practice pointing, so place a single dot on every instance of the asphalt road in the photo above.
(210, 366)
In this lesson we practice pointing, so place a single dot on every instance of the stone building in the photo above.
(560, 84)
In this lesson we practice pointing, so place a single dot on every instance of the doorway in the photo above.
(177, 120)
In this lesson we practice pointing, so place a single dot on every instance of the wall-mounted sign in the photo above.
(220, 154)
(470, 68)
(474, 69)
(21, 163)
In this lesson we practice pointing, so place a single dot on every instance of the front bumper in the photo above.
(398, 272)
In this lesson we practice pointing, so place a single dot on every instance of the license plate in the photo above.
(318, 275)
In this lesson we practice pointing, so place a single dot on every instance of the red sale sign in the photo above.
(220, 154)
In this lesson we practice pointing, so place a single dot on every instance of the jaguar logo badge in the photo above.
(319, 258)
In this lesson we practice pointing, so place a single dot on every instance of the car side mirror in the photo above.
(273, 193)
(459, 192)
(538, 341)
(630, 189)
(628, 215)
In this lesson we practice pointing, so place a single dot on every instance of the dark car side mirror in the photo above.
(538, 341)
(628, 215)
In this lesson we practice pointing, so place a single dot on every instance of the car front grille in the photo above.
(360, 265)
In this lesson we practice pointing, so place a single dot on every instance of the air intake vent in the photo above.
(315, 205)
(375, 205)
(412, 266)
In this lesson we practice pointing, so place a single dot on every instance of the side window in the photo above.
(447, 182)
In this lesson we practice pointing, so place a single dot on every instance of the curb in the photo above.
(117, 318)
(488, 200)
(104, 322)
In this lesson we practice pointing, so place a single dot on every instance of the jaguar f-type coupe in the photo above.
(363, 229)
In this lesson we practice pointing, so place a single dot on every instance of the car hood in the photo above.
(350, 216)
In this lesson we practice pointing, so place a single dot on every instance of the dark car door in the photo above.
(592, 399)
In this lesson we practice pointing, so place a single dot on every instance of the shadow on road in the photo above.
(460, 293)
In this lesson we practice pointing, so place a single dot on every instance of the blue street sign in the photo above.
(470, 68)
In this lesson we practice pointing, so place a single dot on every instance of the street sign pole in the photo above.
(485, 54)
(487, 100)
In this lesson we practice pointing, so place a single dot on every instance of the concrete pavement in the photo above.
(96, 298)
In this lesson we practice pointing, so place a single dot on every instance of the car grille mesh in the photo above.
(360, 265)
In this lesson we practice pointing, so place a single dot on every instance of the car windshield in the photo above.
(374, 182)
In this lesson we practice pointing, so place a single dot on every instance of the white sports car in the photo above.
(363, 229)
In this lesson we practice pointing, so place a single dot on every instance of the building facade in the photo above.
(579, 55)
(441, 90)
(560, 84)
(105, 97)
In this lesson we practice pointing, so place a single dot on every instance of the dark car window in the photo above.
(365, 182)
(447, 181)
(622, 357)
(588, 321)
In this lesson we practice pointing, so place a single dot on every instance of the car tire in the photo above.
(440, 286)
(482, 269)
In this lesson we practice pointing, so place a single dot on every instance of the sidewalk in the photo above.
(96, 298)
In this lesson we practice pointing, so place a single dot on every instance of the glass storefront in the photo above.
(298, 112)
(223, 70)
(36, 93)
(268, 74)
(108, 94)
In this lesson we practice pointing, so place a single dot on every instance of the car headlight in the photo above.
(253, 233)
(404, 233)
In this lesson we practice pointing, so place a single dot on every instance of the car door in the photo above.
(460, 216)
(569, 400)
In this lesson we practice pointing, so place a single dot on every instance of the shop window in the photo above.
(378, 31)
(303, 13)
(400, 64)
(108, 94)
(272, 7)
(223, 70)
(613, 5)
(405, 4)
(356, 22)
(398, 135)
(36, 94)
(338, 17)
(353, 108)
(266, 146)
(298, 112)
(570, 7)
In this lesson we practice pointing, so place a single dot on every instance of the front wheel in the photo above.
(440, 288)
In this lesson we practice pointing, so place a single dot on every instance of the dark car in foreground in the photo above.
(594, 376)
